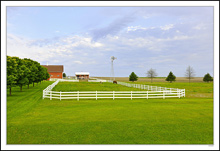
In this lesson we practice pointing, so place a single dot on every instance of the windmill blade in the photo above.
(113, 58)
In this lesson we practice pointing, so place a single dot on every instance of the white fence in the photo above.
(111, 94)
(148, 87)
(153, 92)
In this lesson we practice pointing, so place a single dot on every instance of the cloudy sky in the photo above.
(84, 38)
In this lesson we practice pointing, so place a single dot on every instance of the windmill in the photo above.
(112, 69)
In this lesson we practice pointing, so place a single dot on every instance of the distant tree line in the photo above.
(21, 72)
(189, 74)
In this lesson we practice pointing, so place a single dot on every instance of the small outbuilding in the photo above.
(82, 75)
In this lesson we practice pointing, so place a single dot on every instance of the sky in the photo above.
(84, 38)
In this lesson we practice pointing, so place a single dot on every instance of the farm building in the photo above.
(82, 75)
(55, 71)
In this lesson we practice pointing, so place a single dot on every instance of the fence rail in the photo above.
(152, 92)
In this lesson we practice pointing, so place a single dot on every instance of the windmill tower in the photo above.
(112, 69)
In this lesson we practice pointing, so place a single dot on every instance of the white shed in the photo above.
(82, 75)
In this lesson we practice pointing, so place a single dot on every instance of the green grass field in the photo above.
(92, 86)
(189, 120)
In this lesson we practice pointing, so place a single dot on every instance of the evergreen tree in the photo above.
(207, 78)
(64, 75)
(171, 77)
(133, 77)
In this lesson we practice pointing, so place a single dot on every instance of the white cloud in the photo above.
(134, 28)
(166, 27)
(78, 62)
(200, 27)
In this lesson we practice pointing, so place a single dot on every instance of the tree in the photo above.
(11, 72)
(35, 71)
(46, 74)
(41, 73)
(64, 75)
(190, 73)
(207, 78)
(22, 73)
(171, 77)
(31, 66)
(133, 77)
(151, 74)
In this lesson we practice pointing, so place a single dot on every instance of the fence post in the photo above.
(50, 95)
(60, 95)
(131, 95)
(96, 95)
(179, 92)
(147, 94)
(78, 96)
(163, 95)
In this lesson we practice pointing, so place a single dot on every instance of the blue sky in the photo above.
(84, 38)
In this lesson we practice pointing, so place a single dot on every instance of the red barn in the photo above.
(55, 71)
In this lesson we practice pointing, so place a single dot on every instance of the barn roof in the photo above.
(81, 73)
(54, 68)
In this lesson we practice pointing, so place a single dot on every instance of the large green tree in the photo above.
(38, 72)
(46, 75)
(171, 77)
(22, 73)
(32, 67)
(207, 78)
(133, 77)
(11, 72)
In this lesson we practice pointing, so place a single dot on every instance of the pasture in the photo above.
(91, 86)
(189, 120)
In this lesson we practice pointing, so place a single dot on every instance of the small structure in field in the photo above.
(82, 75)
(55, 71)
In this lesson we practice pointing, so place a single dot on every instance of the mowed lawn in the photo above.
(92, 86)
(189, 120)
